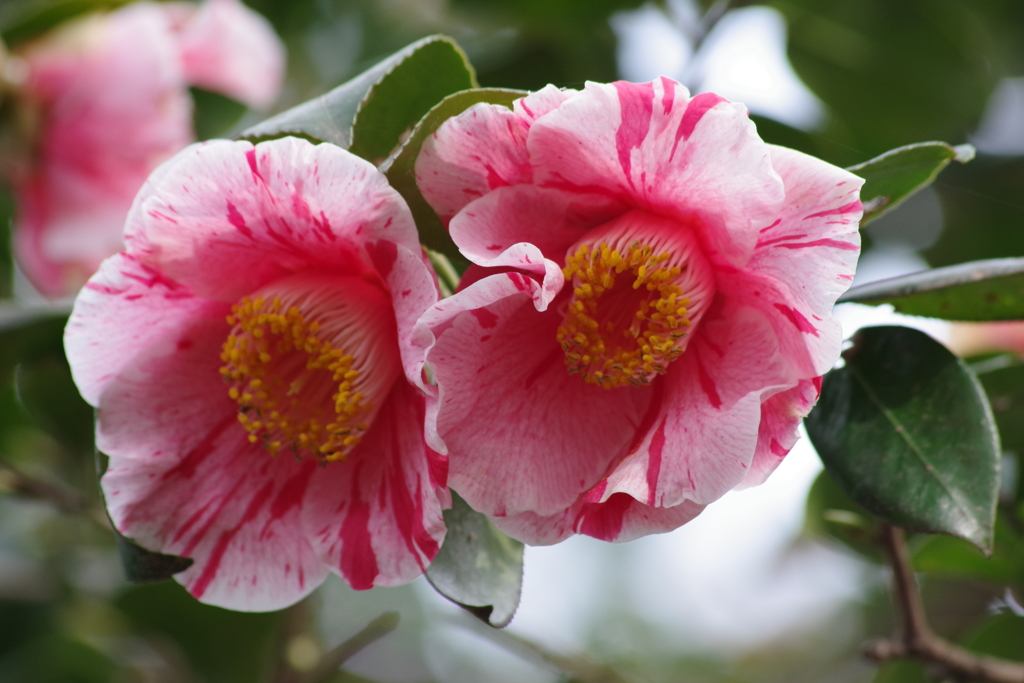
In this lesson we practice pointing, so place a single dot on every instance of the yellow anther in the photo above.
(249, 365)
(628, 350)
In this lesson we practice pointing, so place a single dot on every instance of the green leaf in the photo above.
(400, 168)
(370, 113)
(478, 567)
(895, 175)
(146, 566)
(975, 291)
(905, 430)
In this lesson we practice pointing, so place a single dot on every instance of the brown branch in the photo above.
(577, 667)
(332, 661)
(918, 641)
(17, 482)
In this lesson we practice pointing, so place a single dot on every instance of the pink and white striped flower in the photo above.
(107, 99)
(648, 312)
(247, 354)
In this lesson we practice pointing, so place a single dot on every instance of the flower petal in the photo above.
(549, 220)
(662, 151)
(129, 309)
(227, 218)
(479, 150)
(779, 429)
(700, 432)
(375, 519)
(619, 519)
(232, 508)
(812, 248)
(528, 435)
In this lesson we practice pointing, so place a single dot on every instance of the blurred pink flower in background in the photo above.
(648, 313)
(247, 354)
(970, 339)
(106, 98)
(228, 48)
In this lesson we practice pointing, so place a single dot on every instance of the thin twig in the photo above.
(374, 631)
(918, 641)
(579, 668)
(16, 481)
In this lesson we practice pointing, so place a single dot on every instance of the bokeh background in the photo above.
(768, 584)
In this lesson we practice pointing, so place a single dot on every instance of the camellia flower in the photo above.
(649, 310)
(245, 354)
(105, 100)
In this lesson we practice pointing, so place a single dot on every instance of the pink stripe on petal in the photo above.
(797, 318)
(847, 208)
(654, 461)
(603, 520)
(668, 96)
(358, 561)
(837, 244)
(637, 104)
(695, 111)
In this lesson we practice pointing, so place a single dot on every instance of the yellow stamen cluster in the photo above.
(612, 355)
(274, 409)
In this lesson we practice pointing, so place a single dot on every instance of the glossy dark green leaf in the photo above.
(895, 175)
(478, 567)
(975, 291)
(370, 113)
(401, 167)
(905, 430)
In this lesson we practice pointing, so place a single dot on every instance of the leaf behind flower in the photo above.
(370, 113)
(478, 567)
(975, 291)
(905, 430)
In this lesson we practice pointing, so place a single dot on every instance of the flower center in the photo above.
(640, 283)
(309, 360)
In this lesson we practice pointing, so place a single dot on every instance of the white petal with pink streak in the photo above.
(501, 370)
(375, 519)
(651, 144)
(227, 218)
(128, 309)
(812, 249)
(620, 519)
